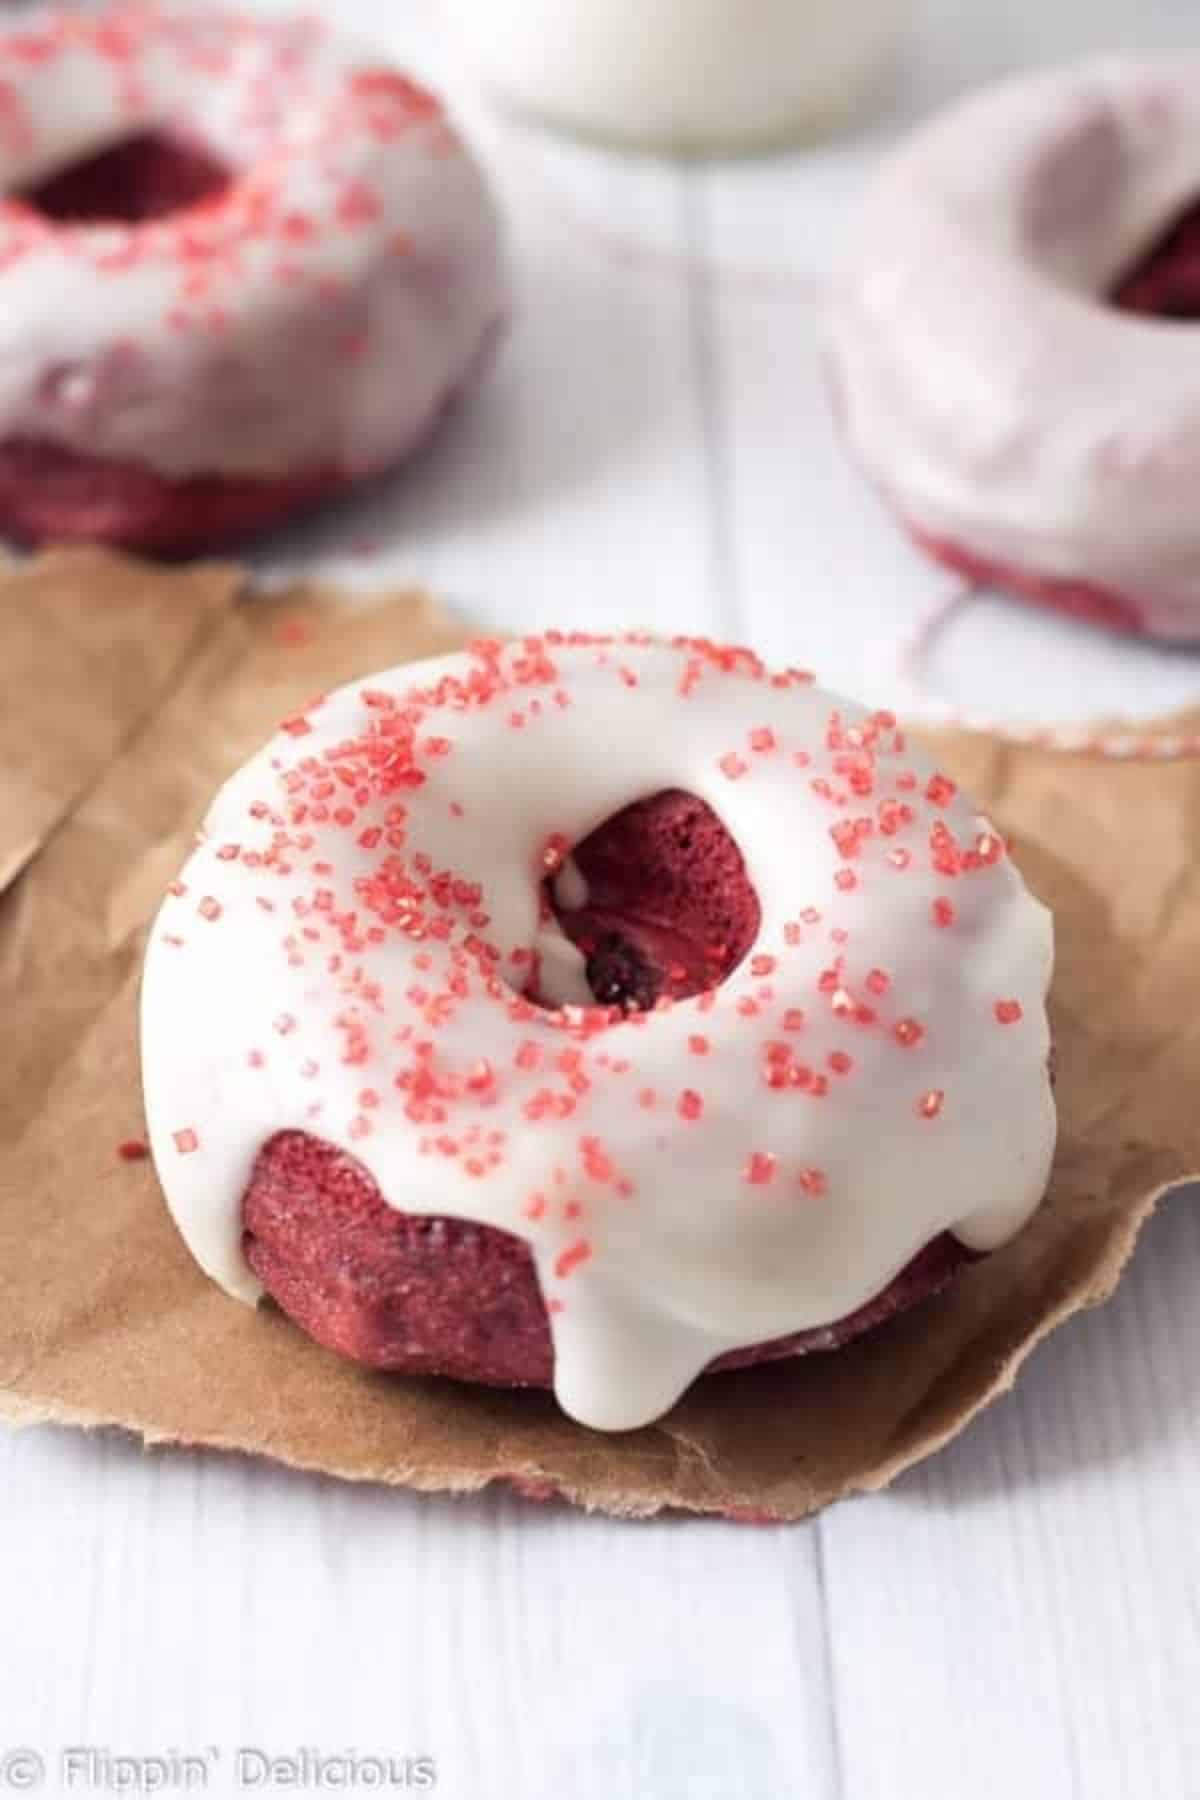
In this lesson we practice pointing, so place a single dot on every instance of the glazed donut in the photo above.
(594, 1010)
(241, 266)
(995, 362)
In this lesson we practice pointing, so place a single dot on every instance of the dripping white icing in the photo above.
(688, 1248)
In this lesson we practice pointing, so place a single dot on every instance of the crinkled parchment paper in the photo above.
(126, 695)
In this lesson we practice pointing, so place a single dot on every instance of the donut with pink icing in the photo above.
(242, 265)
(594, 1011)
(1012, 342)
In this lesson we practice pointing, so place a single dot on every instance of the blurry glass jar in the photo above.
(686, 75)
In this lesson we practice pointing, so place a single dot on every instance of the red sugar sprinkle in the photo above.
(698, 1045)
(793, 1019)
(133, 1150)
(846, 880)
(940, 790)
(878, 981)
(943, 913)
(691, 1106)
(571, 1257)
(209, 908)
(760, 1168)
(293, 632)
(840, 1063)
(930, 1104)
(297, 727)
(554, 852)
(358, 204)
(762, 739)
(908, 1032)
(732, 766)
(814, 1182)
(762, 965)
(186, 1141)
(1009, 1011)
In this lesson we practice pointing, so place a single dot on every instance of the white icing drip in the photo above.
(318, 317)
(570, 886)
(691, 1258)
(982, 381)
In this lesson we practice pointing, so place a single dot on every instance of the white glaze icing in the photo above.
(983, 383)
(318, 316)
(689, 73)
(252, 1003)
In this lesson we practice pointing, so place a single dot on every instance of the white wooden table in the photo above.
(1019, 1616)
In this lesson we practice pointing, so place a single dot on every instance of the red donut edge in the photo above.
(49, 494)
(1078, 599)
(420, 1295)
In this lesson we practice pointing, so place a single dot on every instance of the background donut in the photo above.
(290, 259)
(1009, 346)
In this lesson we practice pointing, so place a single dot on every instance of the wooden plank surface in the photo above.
(1021, 1615)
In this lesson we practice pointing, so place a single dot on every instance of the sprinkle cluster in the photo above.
(270, 98)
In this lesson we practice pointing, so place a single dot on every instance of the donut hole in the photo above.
(669, 908)
(1165, 283)
(150, 175)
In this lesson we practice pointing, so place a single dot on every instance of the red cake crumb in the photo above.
(670, 908)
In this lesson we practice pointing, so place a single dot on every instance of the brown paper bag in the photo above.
(126, 695)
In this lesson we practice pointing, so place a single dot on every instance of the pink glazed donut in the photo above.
(241, 266)
(1013, 347)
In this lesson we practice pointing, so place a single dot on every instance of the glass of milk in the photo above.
(685, 75)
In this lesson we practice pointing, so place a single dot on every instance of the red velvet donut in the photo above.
(209, 327)
(595, 1011)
